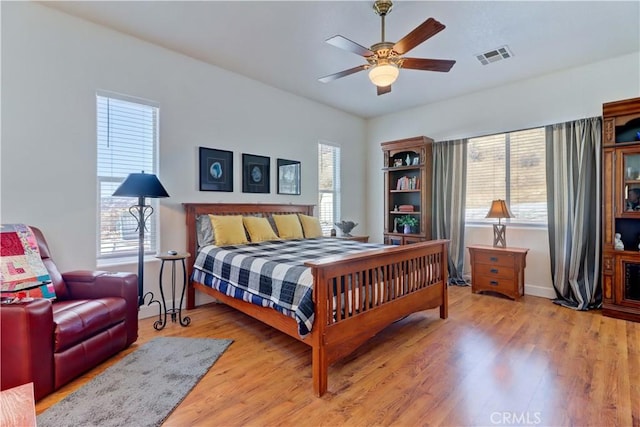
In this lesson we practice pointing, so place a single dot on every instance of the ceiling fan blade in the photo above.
(443, 65)
(346, 44)
(383, 89)
(422, 32)
(334, 76)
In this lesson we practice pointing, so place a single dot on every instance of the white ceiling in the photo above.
(282, 43)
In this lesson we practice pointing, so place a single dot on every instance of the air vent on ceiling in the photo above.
(494, 55)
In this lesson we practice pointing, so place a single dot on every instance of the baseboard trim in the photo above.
(539, 291)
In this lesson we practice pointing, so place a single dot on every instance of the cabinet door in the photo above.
(628, 285)
(627, 179)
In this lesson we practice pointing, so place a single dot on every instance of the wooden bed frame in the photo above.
(414, 279)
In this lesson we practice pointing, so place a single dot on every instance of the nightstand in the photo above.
(498, 270)
(363, 239)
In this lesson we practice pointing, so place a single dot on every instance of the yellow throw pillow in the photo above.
(288, 226)
(259, 229)
(310, 226)
(228, 230)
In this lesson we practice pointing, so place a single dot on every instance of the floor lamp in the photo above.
(499, 209)
(141, 185)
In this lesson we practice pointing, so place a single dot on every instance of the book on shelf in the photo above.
(408, 183)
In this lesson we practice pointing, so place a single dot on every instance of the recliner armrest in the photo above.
(84, 284)
(26, 345)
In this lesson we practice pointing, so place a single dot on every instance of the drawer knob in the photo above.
(494, 270)
(493, 282)
(494, 258)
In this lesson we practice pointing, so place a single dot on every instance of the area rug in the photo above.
(140, 390)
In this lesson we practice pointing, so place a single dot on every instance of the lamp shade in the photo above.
(141, 185)
(499, 209)
(383, 75)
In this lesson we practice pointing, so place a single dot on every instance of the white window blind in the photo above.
(127, 137)
(509, 166)
(329, 186)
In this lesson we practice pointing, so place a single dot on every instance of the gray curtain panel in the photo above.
(449, 190)
(573, 195)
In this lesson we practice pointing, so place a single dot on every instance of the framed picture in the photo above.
(255, 174)
(416, 160)
(216, 170)
(288, 177)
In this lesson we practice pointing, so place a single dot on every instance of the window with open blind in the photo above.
(328, 186)
(509, 166)
(127, 137)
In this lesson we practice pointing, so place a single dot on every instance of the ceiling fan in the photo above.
(385, 59)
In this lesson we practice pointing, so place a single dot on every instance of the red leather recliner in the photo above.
(49, 343)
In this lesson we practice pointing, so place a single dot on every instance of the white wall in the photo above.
(554, 98)
(52, 65)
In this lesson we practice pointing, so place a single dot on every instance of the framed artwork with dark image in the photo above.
(255, 174)
(288, 177)
(216, 170)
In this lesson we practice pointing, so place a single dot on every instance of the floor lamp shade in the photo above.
(141, 185)
(499, 209)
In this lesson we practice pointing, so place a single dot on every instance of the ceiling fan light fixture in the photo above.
(383, 75)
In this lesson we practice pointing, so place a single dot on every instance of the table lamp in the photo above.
(499, 209)
(141, 185)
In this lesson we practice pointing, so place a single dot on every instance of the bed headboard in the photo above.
(194, 210)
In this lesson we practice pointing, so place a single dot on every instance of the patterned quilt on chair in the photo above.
(275, 270)
(21, 267)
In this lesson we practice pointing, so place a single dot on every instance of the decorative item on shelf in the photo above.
(408, 160)
(395, 208)
(406, 208)
(617, 244)
(416, 161)
(141, 185)
(408, 222)
(633, 199)
(499, 209)
(346, 227)
(395, 225)
(638, 136)
(397, 163)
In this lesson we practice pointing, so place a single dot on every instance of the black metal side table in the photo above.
(175, 313)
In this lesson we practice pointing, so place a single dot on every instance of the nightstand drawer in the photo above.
(494, 258)
(494, 283)
(495, 270)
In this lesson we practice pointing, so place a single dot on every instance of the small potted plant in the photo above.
(408, 222)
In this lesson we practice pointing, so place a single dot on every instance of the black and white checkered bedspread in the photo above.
(275, 270)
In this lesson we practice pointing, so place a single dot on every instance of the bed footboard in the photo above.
(356, 296)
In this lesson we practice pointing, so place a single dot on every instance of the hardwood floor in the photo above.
(492, 362)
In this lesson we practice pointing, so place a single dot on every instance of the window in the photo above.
(509, 166)
(127, 131)
(328, 186)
